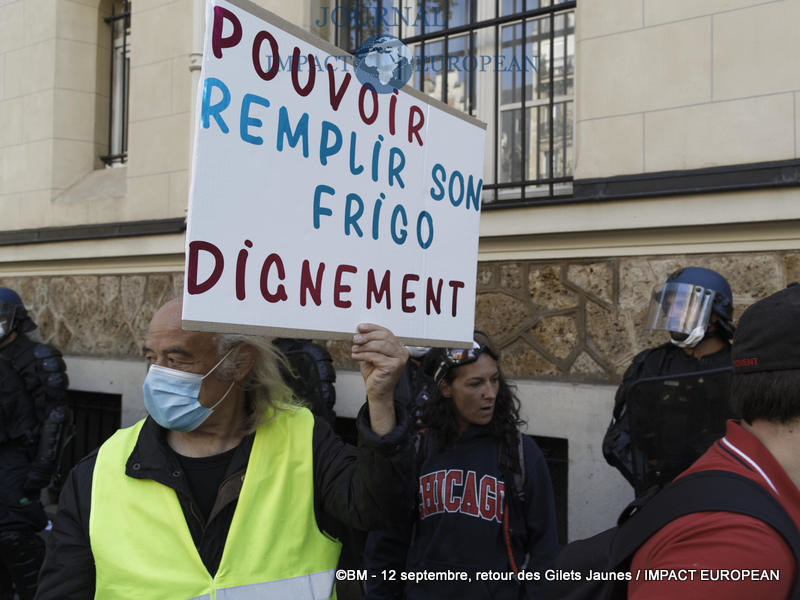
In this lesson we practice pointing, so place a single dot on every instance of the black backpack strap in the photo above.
(420, 450)
(704, 492)
(511, 463)
(520, 476)
(423, 450)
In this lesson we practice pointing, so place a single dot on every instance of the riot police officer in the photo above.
(672, 402)
(33, 418)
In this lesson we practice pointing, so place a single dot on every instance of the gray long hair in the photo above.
(265, 390)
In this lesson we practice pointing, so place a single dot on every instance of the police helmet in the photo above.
(684, 304)
(13, 314)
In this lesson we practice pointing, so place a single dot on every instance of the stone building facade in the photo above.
(686, 141)
(566, 320)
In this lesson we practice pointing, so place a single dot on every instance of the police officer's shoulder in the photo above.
(639, 360)
(49, 359)
(647, 362)
(42, 352)
(656, 353)
(656, 350)
(50, 366)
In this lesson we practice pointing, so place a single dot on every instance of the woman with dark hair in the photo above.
(485, 502)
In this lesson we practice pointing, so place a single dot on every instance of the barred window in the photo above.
(120, 30)
(510, 63)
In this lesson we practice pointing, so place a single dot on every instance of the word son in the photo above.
(379, 289)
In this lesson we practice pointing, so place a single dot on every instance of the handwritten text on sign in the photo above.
(318, 203)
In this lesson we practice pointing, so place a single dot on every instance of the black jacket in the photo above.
(43, 377)
(667, 359)
(19, 506)
(364, 487)
(41, 367)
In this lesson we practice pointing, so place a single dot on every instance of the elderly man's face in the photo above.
(170, 346)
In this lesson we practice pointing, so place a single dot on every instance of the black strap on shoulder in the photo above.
(423, 449)
(511, 464)
(671, 376)
(703, 492)
(519, 477)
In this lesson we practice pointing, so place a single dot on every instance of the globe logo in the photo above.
(384, 62)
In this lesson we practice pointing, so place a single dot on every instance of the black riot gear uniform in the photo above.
(21, 513)
(671, 405)
(669, 408)
(33, 418)
(44, 376)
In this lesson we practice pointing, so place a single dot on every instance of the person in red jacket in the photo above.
(764, 446)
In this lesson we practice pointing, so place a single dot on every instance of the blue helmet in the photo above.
(711, 280)
(13, 314)
(722, 301)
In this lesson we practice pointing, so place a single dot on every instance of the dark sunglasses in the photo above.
(456, 357)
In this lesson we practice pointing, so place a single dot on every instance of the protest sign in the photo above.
(318, 203)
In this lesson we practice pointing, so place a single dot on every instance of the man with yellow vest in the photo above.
(228, 490)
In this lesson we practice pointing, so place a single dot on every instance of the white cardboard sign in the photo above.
(317, 203)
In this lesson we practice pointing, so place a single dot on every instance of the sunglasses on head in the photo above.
(456, 357)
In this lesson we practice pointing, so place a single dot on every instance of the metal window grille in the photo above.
(120, 30)
(95, 417)
(520, 81)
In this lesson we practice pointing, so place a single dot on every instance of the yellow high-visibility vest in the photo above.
(142, 546)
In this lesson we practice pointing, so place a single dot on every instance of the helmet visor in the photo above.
(679, 308)
(7, 312)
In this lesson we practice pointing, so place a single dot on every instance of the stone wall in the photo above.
(565, 320)
(105, 316)
(582, 321)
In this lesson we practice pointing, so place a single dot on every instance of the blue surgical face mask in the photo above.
(171, 397)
